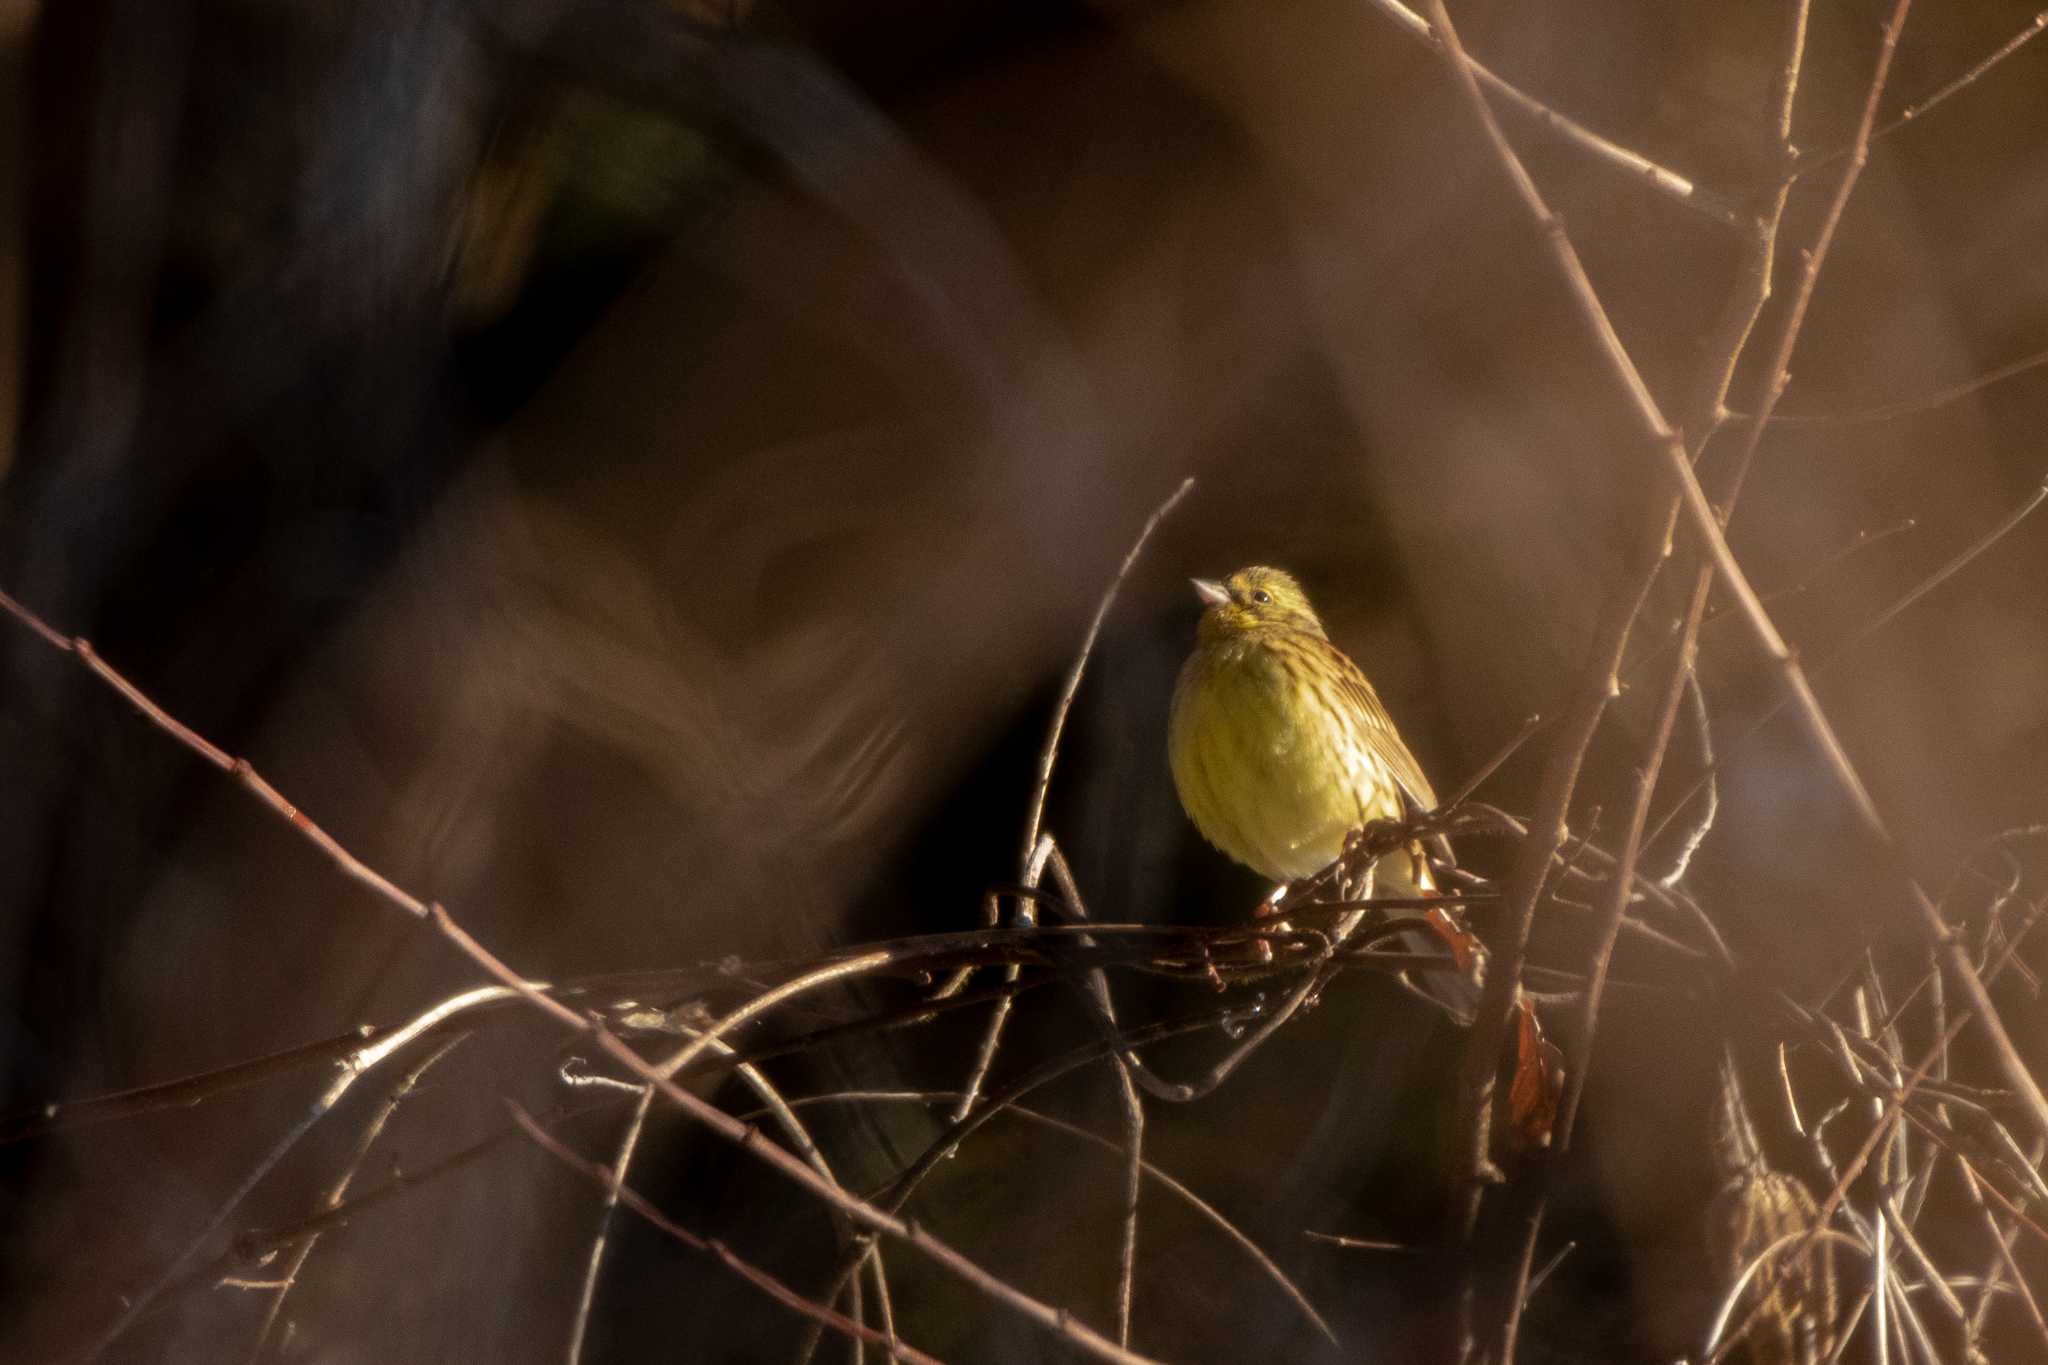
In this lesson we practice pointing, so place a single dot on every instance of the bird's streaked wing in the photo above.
(1382, 735)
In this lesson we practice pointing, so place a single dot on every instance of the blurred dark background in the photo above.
(637, 472)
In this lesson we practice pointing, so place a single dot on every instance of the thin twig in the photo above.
(140, 1302)
(1780, 372)
(800, 1138)
(1624, 876)
(1195, 1202)
(615, 1180)
(1806, 583)
(831, 972)
(1955, 87)
(1888, 1119)
(253, 1246)
(1336, 1239)
(1049, 754)
(1561, 769)
(184, 1092)
(745, 1136)
(1639, 167)
(1524, 1284)
(374, 1129)
(1530, 725)
(1549, 1266)
(1696, 834)
(1707, 526)
(1715, 1344)
(1889, 1212)
(1827, 662)
(1951, 568)
(1880, 1299)
(1030, 856)
(1132, 1103)
(896, 1195)
(604, 1176)
(1906, 407)
(992, 1032)
(2001, 1240)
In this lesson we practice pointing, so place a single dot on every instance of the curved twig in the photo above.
(1031, 858)
(746, 1270)
(1733, 1295)
(1207, 1211)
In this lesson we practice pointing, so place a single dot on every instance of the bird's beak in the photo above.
(1211, 592)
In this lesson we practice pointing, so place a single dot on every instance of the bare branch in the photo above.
(1560, 774)
(1707, 524)
(1666, 182)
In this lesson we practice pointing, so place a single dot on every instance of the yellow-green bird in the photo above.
(1280, 748)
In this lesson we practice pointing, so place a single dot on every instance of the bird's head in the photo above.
(1251, 599)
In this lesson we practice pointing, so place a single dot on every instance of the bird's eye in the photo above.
(1261, 596)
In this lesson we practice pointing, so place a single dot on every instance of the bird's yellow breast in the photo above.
(1270, 767)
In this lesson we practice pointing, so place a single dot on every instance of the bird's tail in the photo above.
(1456, 988)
